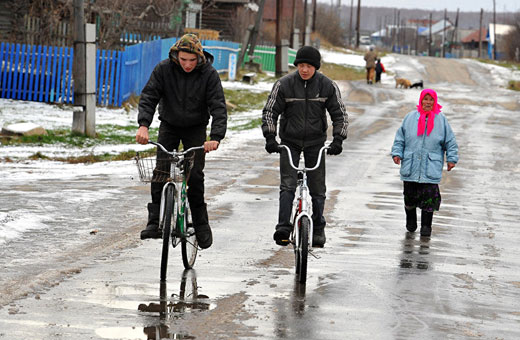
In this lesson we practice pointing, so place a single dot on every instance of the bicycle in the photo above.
(301, 216)
(175, 217)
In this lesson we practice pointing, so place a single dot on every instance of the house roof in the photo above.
(437, 28)
(473, 36)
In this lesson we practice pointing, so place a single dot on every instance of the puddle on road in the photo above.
(415, 252)
(171, 307)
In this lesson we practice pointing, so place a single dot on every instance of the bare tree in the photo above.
(328, 25)
(37, 21)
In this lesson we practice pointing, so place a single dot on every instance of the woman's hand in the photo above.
(211, 145)
(450, 166)
(142, 135)
(397, 160)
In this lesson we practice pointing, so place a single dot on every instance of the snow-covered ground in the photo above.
(51, 116)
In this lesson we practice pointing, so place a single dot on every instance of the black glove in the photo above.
(335, 147)
(271, 145)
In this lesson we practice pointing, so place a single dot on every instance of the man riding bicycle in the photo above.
(300, 99)
(188, 90)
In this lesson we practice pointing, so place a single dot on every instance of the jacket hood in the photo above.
(189, 43)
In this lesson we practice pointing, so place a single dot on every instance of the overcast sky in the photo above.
(451, 5)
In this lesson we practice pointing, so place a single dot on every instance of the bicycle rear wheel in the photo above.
(302, 249)
(167, 219)
(189, 245)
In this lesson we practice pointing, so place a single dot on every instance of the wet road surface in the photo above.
(371, 281)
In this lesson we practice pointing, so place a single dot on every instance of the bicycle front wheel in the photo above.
(189, 245)
(167, 219)
(302, 249)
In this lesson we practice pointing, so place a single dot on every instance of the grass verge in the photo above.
(514, 85)
(340, 72)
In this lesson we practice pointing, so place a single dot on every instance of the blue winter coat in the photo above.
(422, 157)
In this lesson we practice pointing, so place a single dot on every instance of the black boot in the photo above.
(411, 219)
(152, 227)
(202, 230)
(282, 234)
(426, 223)
(318, 237)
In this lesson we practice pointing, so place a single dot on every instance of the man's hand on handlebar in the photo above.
(335, 147)
(271, 145)
(211, 145)
(142, 135)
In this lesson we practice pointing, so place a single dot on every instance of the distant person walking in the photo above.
(379, 69)
(370, 58)
(419, 147)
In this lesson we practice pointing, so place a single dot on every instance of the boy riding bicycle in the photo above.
(300, 99)
(188, 90)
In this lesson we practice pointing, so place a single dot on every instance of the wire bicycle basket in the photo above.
(149, 171)
(153, 170)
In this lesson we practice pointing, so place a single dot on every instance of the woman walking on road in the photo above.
(420, 144)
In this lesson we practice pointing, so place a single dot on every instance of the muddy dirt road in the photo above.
(371, 281)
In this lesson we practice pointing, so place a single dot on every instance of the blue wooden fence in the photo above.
(44, 73)
(36, 73)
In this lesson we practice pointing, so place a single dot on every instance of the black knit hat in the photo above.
(309, 55)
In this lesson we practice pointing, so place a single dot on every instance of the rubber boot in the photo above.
(411, 219)
(202, 229)
(281, 234)
(152, 227)
(426, 223)
(318, 237)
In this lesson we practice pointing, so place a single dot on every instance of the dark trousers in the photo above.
(378, 77)
(170, 137)
(315, 182)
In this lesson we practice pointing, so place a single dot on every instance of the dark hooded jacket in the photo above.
(300, 105)
(185, 99)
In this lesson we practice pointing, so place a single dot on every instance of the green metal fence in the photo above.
(265, 55)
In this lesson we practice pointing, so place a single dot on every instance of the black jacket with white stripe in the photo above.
(300, 105)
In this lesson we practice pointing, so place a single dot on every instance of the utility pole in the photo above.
(454, 34)
(399, 30)
(278, 55)
(480, 33)
(430, 37)
(84, 70)
(314, 15)
(293, 23)
(357, 22)
(350, 24)
(394, 30)
(494, 31)
(443, 50)
(304, 33)
(417, 38)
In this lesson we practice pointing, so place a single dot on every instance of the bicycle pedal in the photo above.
(314, 255)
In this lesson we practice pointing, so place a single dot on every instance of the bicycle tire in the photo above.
(167, 223)
(189, 245)
(303, 248)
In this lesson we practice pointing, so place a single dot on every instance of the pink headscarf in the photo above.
(430, 114)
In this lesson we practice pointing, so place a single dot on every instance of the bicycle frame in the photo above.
(178, 182)
(301, 203)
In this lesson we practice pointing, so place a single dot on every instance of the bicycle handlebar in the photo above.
(175, 152)
(304, 168)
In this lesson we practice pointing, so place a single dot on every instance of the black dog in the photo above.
(418, 84)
